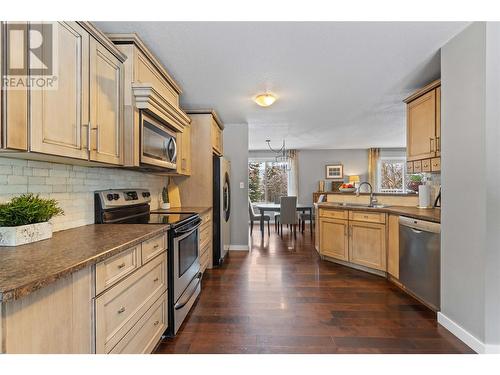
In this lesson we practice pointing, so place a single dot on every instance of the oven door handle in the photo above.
(192, 289)
(180, 231)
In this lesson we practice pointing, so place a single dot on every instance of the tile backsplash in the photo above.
(72, 186)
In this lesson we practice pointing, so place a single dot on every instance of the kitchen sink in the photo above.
(362, 205)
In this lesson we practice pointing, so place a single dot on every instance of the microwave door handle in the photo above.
(174, 144)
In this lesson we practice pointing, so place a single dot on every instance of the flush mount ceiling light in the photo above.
(265, 100)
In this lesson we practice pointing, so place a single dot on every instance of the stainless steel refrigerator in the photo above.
(221, 208)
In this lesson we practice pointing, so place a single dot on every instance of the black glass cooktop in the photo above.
(168, 218)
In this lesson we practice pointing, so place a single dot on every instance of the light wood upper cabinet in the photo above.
(106, 102)
(184, 153)
(423, 130)
(333, 241)
(367, 244)
(217, 143)
(59, 117)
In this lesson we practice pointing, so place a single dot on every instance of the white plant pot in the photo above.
(24, 234)
(165, 206)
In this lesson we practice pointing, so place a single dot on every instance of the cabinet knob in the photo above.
(120, 266)
(121, 310)
(156, 323)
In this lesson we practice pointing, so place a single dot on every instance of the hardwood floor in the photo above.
(282, 298)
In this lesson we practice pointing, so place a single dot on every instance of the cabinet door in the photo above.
(393, 246)
(59, 117)
(421, 127)
(367, 246)
(106, 105)
(184, 158)
(333, 240)
(438, 121)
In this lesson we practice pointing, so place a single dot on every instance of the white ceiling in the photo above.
(340, 84)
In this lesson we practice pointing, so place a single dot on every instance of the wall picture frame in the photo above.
(334, 171)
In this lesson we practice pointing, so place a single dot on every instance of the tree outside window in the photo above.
(391, 175)
(266, 182)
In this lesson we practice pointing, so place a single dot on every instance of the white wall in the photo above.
(72, 186)
(470, 186)
(236, 150)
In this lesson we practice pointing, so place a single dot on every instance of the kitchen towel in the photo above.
(424, 196)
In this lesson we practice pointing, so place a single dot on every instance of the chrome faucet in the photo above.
(373, 200)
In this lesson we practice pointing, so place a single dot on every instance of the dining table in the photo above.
(275, 207)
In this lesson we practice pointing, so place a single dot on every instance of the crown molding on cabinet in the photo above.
(207, 111)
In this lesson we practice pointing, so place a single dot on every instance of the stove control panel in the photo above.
(122, 197)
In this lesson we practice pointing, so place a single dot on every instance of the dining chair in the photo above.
(288, 214)
(309, 215)
(256, 217)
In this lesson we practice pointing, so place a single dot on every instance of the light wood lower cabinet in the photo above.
(359, 238)
(333, 241)
(367, 244)
(205, 240)
(118, 309)
(56, 319)
(116, 306)
(393, 246)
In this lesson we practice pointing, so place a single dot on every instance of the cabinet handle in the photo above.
(438, 144)
(345, 230)
(88, 126)
(121, 310)
(120, 266)
(156, 246)
(156, 323)
(96, 139)
(431, 149)
(156, 279)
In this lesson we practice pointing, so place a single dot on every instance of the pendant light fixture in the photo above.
(265, 100)
(282, 159)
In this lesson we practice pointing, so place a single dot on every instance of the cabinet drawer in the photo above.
(146, 333)
(436, 164)
(204, 259)
(426, 165)
(417, 166)
(119, 308)
(204, 233)
(409, 167)
(371, 217)
(153, 247)
(334, 214)
(112, 270)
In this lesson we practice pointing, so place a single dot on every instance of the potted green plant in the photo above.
(165, 202)
(414, 182)
(25, 219)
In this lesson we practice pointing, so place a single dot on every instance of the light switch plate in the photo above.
(242, 185)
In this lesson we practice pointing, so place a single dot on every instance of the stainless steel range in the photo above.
(131, 206)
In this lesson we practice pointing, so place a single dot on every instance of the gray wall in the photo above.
(236, 150)
(312, 168)
(471, 216)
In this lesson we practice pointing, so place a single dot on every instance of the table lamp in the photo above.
(354, 180)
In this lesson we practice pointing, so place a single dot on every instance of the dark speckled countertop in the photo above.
(26, 268)
(430, 214)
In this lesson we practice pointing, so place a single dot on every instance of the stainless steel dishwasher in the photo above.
(419, 259)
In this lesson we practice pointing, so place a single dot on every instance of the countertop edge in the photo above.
(26, 289)
(399, 210)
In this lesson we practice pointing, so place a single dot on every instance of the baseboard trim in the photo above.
(470, 340)
(239, 247)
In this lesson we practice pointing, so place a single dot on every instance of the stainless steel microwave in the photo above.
(158, 143)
